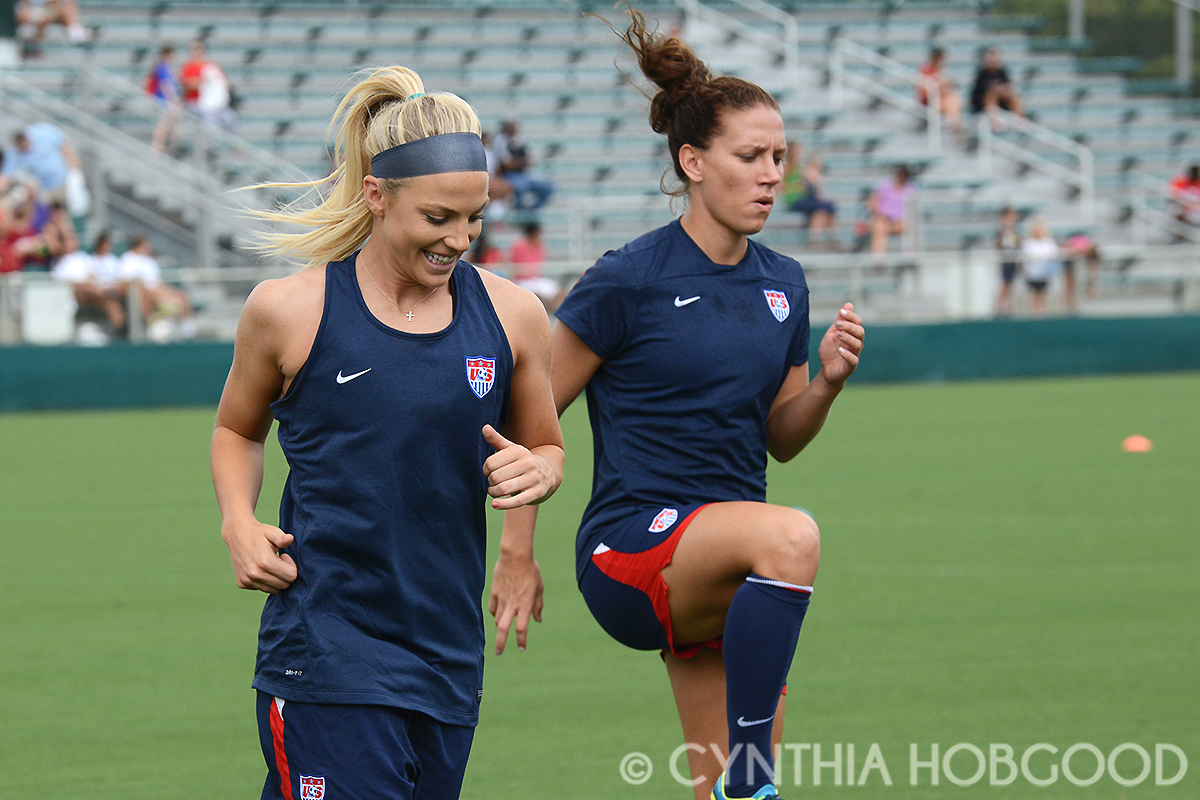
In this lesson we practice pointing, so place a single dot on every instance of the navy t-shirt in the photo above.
(694, 354)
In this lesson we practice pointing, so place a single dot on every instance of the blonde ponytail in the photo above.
(388, 108)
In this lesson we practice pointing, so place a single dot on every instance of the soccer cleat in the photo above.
(765, 793)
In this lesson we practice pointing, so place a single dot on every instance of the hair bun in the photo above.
(670, 64)
(690, 101)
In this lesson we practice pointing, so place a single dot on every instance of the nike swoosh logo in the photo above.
(743, 724)
(681, 303)
(346, 378)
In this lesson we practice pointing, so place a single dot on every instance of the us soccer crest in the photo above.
(312, 787)
(779, 304)
(481, 374)
(665, 519)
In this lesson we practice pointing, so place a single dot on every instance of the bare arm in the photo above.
(68, 153)
(801, 408)
(527, 466)
(243, 422)
(571, 367)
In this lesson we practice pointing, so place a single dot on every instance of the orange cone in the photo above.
(1137, 444)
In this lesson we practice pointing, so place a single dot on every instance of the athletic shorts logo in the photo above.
(779, 304)
(481, 374)
(312, 787)
(665, 519)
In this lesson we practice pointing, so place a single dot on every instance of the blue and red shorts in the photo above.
(623, 585)
(357, 752)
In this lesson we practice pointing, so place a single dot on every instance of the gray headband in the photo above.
(433, 155)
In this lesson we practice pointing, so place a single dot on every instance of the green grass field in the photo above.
(996, 571)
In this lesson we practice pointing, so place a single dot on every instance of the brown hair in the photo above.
(691, 100)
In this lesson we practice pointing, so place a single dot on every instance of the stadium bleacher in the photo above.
(560, 73)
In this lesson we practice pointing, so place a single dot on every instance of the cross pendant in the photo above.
(410, 315)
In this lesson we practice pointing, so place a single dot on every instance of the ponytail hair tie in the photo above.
(414, 96)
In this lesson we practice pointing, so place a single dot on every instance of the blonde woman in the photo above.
(408, 387)
(1042, 262)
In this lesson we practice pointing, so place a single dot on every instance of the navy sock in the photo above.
(761, 631)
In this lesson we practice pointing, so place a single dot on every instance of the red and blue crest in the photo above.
(779, 304)
(481, 374)
(312, 787)
(665, 519)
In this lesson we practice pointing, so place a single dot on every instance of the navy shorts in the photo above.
(623, 586)
(314, 751)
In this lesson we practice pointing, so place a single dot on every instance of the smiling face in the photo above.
(735, 179)
(426, 225)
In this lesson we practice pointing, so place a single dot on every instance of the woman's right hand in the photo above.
(254, 550)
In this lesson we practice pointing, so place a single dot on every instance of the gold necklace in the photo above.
(408, 313)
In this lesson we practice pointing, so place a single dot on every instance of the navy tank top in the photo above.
(382, 431)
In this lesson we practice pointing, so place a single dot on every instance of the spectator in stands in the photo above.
(993, 88)
(1041, 263)
(949, 101)
(43, 152)
(499, 189)
(214, 98)
(164, 88)
(515, 162)
(1008, 242)
(36, 244)
(824, 217)
(58, 234)
(1080, 247)
(888, 205)
(93, 277)
(802, 192)
(37, 15)
(18, 239)
(1185, 190)
(191, 73)
(161, 303)
(527, 255)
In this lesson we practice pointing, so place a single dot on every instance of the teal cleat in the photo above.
(765, 793)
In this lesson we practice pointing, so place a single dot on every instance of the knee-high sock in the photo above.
(761, 631)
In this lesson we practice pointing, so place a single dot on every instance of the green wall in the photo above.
(1026, 348)
(116, 376)
(124, 376)
(8, 19)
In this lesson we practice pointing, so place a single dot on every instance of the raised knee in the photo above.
(797, 544)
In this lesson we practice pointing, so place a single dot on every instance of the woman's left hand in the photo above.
(841, 346)
(516, 476)
(516, 596)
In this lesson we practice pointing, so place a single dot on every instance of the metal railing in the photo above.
(1082, 178)
(191, 192)
(895, 287)
(214, 150)
(785, 43)
(845, 50)
(1184, 40)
